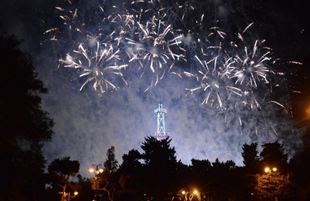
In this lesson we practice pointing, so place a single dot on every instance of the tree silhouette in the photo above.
(130, 171)
(64, 167)
(273, 182)
(273, 155)
(111, 164)
(272, 186)
(130, 177)
(84, 188)
(250, 157)
(160, 166)
(219, 179)
(60, 171)
(300, 165)
(251, 168)
(24, 126)
(199, 173)
(109, 178)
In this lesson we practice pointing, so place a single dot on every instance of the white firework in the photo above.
(99, 66)
(157, 46)
(252, 65)
(123, 28)
(214, 81)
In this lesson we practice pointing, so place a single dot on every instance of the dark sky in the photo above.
(86, 125)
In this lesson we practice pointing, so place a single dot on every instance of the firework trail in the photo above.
(157, 47)
(254, 69)
(214, 82)
(145, 36)
(251, 68)
(152, 43)
(98, 67)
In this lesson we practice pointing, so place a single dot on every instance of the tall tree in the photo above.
(24, 126)
(273, 155)
(273, 186)
(60, 171)
(273, 181)
(109, 179)
(130, 176)
(130, 170)
(64, 167)
(251, 168)
(250, 157)
(199, 172)
(159, 168)
(300, 165)
(111, 164)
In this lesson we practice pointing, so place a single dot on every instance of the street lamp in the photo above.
(268, 170)
(189, 195)
(274, 169)
(308, 112)
(67, 196)
(96, 169)
(91, 170)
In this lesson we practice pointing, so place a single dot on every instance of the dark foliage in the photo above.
(59, 176)
(250, 157)
(273, 155)
(24, 126)
(64, 167)
(159, 167)
(111, 163)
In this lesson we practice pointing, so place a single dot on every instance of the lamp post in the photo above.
(190, 195)
(271, 174)
(67, 196)
(96, 170)
(269, 170)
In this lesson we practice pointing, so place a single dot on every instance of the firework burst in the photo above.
(143, 35)
(157, 46)
(99, 67)
(214, 81)
(251, 67)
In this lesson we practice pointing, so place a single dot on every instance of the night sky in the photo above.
(86, 124)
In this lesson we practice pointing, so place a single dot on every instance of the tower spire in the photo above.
(161, 127)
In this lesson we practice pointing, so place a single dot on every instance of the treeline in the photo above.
(153, 174)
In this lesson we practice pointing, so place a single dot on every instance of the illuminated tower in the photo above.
(161, 130)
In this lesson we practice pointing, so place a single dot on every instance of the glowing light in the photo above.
(267, 170)
(75, 193)
(91, 170)
(274, 169)
(195, 192)
(228, 72)
(308, 112)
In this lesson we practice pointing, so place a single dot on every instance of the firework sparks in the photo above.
(252, 66)
(214, 81)
(99, 68)
(157, 47)
(144, 34)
